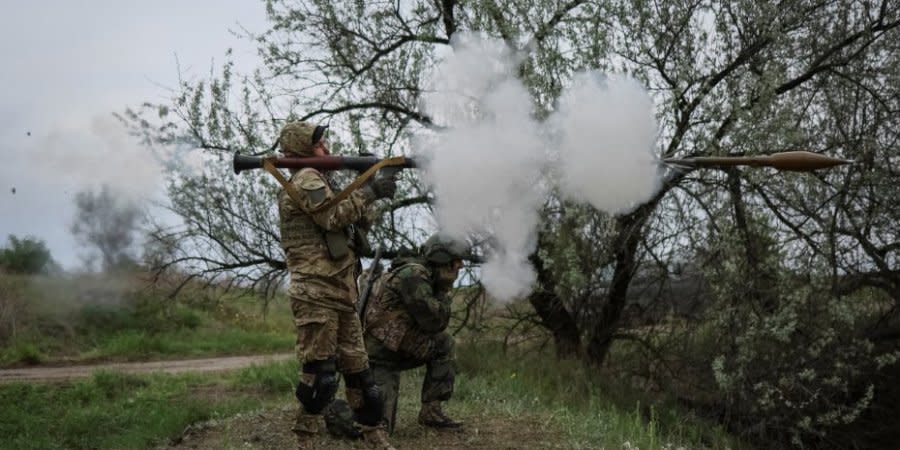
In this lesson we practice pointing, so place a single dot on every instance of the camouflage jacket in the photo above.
(315, 275)
(406, 311)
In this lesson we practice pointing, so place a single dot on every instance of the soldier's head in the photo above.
(303, 139)
(445, 256)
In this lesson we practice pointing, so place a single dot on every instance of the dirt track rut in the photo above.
(62, 373)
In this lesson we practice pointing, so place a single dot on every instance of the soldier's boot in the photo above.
(339, 421)
(307, 427)
(432, 415)
(376, 438)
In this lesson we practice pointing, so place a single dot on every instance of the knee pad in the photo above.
(317, 396)
(371, 412)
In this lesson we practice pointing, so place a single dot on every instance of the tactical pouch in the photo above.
(337, 243)
(361, 242)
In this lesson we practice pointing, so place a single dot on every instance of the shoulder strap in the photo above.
(288, 187)
(359, 181)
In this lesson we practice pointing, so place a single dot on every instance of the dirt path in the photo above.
(271, 429)
(47, 374)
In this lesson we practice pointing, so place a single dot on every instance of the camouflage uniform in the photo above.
(405, 328)
(319, 252)
(322, 289)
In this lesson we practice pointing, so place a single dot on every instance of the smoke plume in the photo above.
(83, 154)
(606, 131)
(493, 164)
(486, 168)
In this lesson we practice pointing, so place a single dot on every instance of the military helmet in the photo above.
(300, 137)
(441, 250)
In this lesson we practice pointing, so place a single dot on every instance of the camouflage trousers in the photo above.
(324, 333)
(387, 365)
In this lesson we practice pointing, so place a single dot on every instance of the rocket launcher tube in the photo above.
(796, 161)
(324, 163)
(368, 166)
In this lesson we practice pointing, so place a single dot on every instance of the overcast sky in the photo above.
(67, 66)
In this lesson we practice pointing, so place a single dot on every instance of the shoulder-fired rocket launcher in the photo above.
(368, 166)
(324, 163)
(796, 161)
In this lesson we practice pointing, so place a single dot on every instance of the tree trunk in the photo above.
(630, 233)
(762, 279)
(560, 323)
(553, 314)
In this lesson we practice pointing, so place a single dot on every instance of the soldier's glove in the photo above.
(384, 187)
(442, 292)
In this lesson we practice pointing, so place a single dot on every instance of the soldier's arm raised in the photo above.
(429, 311)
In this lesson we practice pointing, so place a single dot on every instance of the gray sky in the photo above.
(67, 66)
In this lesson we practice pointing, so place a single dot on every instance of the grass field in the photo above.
(87, 319)
(521, 399)
(501, 398)
(116, 411)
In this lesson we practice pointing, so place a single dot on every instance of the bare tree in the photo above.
(107, 225)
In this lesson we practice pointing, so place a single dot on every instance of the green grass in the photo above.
(141, 345)
(27, 353)
(589, 412)
(114, 411)
(275, 378)
(85, 320)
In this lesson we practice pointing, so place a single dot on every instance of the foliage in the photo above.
(26, 256)
(791, 363)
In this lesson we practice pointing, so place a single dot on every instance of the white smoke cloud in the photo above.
(488, 166)
(88, 153)
(486, 169)
(606, 131)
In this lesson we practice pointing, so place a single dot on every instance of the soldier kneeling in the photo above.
(405, 328)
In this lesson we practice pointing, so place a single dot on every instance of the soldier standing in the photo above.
(319, 245)
(406, 323)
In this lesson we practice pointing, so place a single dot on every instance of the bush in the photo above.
(13, 307)
(104, 317)
(792, 364)
(26, 256)
(27, 353)
(797, 372)
(186, 318)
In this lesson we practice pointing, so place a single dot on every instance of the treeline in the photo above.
(27, 255)
(107, 226)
